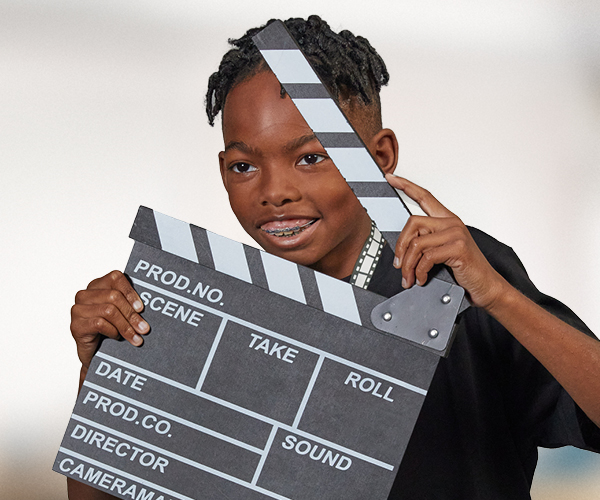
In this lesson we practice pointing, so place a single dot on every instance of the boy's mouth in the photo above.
(287, 228)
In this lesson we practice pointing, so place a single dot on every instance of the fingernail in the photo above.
(137, 305)
(143, 326)
(396, 262)
(418, 282)
(404, 283)
(137, 340)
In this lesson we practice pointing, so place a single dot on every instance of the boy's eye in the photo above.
(311, 159)
(242, 168)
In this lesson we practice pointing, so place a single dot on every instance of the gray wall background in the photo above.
(496, 105)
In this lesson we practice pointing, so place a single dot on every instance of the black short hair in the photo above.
(348, 65)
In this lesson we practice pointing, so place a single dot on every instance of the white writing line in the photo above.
(249, 413)
(264, 457)
(175, 418)
(308, 391)
(276, 335)
(121, 473)
(211, 354)
(177, 457)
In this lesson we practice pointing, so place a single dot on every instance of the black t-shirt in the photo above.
(490, 404)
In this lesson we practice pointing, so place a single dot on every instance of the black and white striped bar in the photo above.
(233, 258)
(283, 277)
(333, 130)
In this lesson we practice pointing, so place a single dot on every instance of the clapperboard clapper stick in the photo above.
(354, 161)
(259, 379)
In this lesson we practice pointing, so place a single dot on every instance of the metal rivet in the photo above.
(446, 299)
(387, 316)
(433, 333)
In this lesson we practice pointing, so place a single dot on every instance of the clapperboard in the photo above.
(260, 378)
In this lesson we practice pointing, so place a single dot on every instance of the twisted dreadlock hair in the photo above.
(348, 65)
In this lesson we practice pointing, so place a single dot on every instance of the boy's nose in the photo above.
(279, 189)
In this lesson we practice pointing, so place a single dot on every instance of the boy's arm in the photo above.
(572, 357)
(109, 307)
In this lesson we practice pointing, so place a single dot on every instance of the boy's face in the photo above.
(285, 191)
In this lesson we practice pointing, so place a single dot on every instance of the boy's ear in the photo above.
(384, 148)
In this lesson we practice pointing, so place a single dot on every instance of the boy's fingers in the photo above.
(87, 330)
(417, 227)
(423, 252)
(104, 319)
(428, 203)
(418, 250)
(433, 256)
(116, 280)
(110, 298)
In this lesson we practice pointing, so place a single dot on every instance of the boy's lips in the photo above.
(287, 227)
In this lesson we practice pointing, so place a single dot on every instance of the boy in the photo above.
(521, 373)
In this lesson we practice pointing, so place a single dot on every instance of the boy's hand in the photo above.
(442, 238)
(108, 306)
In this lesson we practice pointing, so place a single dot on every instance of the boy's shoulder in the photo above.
(497, 253)
(504, 260)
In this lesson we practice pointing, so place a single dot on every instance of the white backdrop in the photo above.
(496, 105)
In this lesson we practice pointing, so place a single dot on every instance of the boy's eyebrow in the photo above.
(299, 142)
(289, 147)
(240, 146)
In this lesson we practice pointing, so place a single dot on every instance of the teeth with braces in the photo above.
(289, 231)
